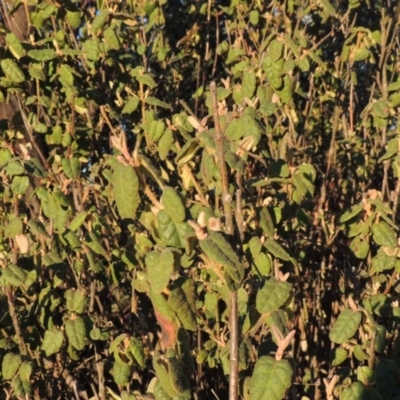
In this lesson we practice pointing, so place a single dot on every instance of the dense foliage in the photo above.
(187, 181)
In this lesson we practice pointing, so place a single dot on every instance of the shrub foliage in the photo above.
(199, 199)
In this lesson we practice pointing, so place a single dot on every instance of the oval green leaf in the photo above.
(345, 326)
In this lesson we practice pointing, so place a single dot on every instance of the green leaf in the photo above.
(391, 150)
(52, 341)
(19, 185)
(362, 54)
(15, 46)
(38, 229)
(176, 375)
(10, 365)
(42, 55)
(25, 371)
(187, 152)
(76, 332)
(99, 22)
(121, 372)
(74, 18)
(111, 40)
(156, 130)
(71, 167)
(220, 251)
(359, 247)
(180, 303)
(159, 392)
(66, 75)
(15, 168)
(136, 348)
(91, 48)
(248, 84)
(13, 275)
(365, 374)
(386, 375)
(358, 391)
(359, 353)
(339, 356)
(345, 326)
(126, 190)
(171, 233)
(263, 264)
(161, 371)
(328, 7)
(159, 267)
(266, 223)
(271, 379)
(78, 221)
(94, 243)
(165, 144)
(275, 50)
(173, 204)
(76, 301)
(276, 249)
(12, 71)
(351, 213)
(21, 388)
(272, 295)
(245, 125)
(157, 103)
(274, 71)
(384, 235)
(146, 79)
(255, 246)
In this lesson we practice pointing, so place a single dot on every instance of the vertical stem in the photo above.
(14, 318)
(226, 202)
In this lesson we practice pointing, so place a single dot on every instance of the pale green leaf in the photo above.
(126, 190)
(78, 221)
(384, 235)
(42, 55)
(157, 103)
(10, 365)
(99, 22)
(271, 379)
(71, 167)
(52, 341)
(121, 373)
(76, 301)
(19, 185)
(13, 228)
(12, 71)
(173, 204)
(159, 267)
(345, 326)
(76, 332)
(171, 233)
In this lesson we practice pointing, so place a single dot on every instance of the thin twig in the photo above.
(226, 202)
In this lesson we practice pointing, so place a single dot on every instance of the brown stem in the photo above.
(226, 202)
(14, 317)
